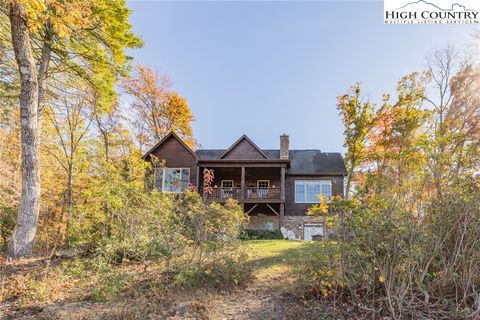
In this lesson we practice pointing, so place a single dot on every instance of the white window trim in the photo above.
(163, 176)
(305, 182)
(258, 183)
(221, 183)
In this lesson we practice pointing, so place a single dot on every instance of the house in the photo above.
(274, 187)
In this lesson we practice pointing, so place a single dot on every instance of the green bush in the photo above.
(7, 223)
(254, 234)
(151, 226)
(192, 242)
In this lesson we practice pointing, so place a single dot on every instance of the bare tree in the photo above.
(453, 96)
(70, 117)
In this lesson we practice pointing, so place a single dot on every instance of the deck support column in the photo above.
(242, 185)
(282, 213)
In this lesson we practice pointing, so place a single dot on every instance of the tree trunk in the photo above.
(347, 186)
(42, 70)
(27, 220)
(69, 185)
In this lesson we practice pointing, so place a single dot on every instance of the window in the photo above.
(227, 184)
(262, 188)
(172, 179)
(306, 191)
(263, 183)
(268, 225)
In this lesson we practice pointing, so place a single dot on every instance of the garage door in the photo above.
(312, 229)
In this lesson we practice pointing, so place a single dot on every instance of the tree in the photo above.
(115, 138)
(357, 117)
(86, 38)
(68, 118)
(159, 110)
(25, 228)
(396, 146)
(453, 98)
(409, 236)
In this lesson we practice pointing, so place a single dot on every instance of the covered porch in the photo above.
(247, 184)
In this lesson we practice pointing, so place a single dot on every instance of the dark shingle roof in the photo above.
(301, 161)
(209, 154)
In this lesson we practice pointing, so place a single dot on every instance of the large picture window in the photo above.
(172, 179)
(306, 191)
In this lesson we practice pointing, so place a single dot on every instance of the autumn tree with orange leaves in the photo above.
(406, 241)
(158, 109)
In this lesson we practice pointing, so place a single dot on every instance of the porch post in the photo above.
(197, 181)
(242, 184)
(282, 184)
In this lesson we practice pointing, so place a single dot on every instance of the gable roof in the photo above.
(170, 135)
(302, 162)
(240, 140)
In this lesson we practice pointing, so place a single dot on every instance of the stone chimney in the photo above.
(284, 141)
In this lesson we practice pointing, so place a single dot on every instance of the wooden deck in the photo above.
(246, 194)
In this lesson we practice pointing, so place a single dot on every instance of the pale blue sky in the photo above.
(267, 68)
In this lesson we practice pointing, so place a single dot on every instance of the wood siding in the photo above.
(244, 150)
(300, 209)
(176, 155)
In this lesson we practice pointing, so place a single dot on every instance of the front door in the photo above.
(312, 229)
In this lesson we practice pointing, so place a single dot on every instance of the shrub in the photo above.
(322, 268)
(394, 263)
(254, 234)
(226, 271)
(7, 223)
(190, 240)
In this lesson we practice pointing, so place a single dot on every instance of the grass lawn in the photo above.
(275, 256)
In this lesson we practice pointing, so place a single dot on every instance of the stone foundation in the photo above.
(294, 223)
(262, 221)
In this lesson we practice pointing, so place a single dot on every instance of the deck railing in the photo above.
(223, 193)
(262, 193)
(216, 193)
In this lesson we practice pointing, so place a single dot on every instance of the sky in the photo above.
(267, 68)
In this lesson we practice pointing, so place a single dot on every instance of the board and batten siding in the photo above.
(300, 209)
(176, 155)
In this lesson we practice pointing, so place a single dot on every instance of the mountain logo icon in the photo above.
(454, 7)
